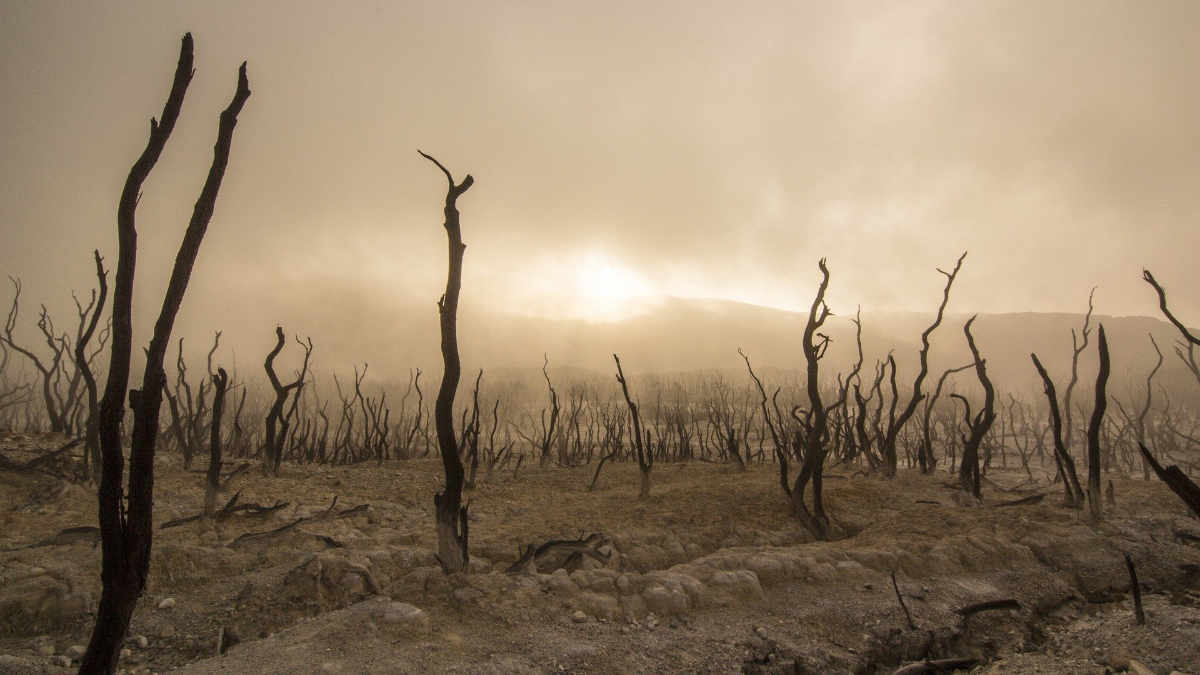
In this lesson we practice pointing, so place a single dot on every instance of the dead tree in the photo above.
(1180, 484)
(545, 443)
(451, 514)
(277, 423)
(1077, 347)
(1095, 498)
(896, 423)
(815, 421)
(213, 479)
(58, 347)
(645, 458)
(91, 448)
(470, 436)
(1186, 351)
(926, 458)
(1062, 454)
(968, 470)
(125, 534)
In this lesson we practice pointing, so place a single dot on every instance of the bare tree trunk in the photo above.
(126, 535)
(645, 456)
(91, 454)
(977, 426)
(1095, 499)
(213, 479)
(451, 515)
(816, 421)
(895, 424)
(1062, 454)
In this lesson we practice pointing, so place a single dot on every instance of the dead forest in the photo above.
(220, 455)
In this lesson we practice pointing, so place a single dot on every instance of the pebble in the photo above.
(75, 652)
(579, 616)
(167, 603)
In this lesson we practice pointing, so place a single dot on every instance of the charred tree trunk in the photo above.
(213, 479)
(816, 421)
(645, 457)
(895, 424)
(451, 514)
(91, 447)
(1062, 455)
(277, 423)
(1095, 498)
(968, 474)
(125, 535)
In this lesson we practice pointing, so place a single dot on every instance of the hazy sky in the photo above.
(696, 149)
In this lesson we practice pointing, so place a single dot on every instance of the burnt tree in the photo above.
(1095, 503)
(212, 480)
(91, 448)
(58, 348)
(645, 457)
(277, 422)
(1190, 341)
(125, 534)
(1062, 455)
(451, 515)
(977, 426)
(815, 421)
(896, 423)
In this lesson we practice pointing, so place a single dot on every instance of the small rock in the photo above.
(126, 653)
(141, 641)
(405, 618)
(761, 632)
(579, 616)
(1139, 668)
(43, 645)
(75, 652)
(167, 603)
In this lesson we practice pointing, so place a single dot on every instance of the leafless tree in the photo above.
(277, 423)
(895, 423)
(645, 458)
(91, 453)
(126, 533)
(927, 459)
(814, 421)
(1186, 349)
(1078, 344)
(212, 481)
(977, 426)
(451, 514)
(1062, 453)
(48, 370)
(1095, 501)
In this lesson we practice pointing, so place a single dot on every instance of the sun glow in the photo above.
(591, 285)
(605, 289)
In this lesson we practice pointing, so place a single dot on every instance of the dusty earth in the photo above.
(708, 575)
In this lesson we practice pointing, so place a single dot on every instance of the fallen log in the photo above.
(1007, 603)
(938, 666)
(1031, 499)
(537, 559)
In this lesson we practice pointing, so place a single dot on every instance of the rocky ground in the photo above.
(708, 575)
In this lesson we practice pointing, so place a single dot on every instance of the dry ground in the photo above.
(708, 575)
